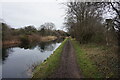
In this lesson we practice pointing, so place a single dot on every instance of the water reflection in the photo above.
(18, 59)
(5, 53)
(46, 46)
(28, 46)
(42, 47)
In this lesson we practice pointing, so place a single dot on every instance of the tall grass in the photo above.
(88, 68)
(96, 61)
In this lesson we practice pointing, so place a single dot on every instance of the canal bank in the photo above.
(50, 65)
(27, 40)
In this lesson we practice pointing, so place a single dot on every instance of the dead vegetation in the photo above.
(105, 58)
(48, 38)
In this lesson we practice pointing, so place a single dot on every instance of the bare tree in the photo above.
(82, 19)
(46, 28)
(49, 25)
(114, 8)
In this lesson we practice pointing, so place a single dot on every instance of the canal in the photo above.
(19, 61)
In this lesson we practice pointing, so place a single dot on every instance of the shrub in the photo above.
(24, 39)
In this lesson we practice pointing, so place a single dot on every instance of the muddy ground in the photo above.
(68, 66)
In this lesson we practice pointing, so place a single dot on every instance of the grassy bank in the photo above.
(96, 61)
(89, 70)
(45, 69)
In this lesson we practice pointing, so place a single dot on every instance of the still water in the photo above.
(17, 61)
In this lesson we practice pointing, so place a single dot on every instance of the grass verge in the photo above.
(45, 69)
(97, 61)
(88, 68)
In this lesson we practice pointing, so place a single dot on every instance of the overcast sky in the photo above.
(20, 13)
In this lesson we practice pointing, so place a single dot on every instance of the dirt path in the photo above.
(68, 67)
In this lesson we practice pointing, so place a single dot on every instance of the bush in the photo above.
(24, 39)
